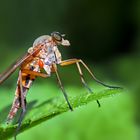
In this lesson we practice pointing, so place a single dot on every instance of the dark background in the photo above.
(98, 30)
(105, 34)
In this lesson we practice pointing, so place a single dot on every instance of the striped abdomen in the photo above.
(26, 83)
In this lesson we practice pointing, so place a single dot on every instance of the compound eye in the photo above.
(57, 36)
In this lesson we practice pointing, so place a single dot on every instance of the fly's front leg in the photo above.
(62, 88)
(76, 61)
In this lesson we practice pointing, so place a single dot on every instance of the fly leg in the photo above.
(23, 104)
(72, 61)
(43, 75)
(22, 114)
(83, 81)
(62, 88)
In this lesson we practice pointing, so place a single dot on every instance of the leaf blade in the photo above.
(52, 108)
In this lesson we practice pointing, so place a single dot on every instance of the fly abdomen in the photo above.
(26, 83)
(14, 109)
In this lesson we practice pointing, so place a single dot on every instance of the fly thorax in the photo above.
(34, 66)
(42, 39)
(47, 68)
(43, 54)
(57, 54)
(50, 59)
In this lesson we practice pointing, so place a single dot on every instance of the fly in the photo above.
(44, 54)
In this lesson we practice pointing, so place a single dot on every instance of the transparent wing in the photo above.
(18, 63)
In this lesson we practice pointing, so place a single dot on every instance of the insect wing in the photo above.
(12, 68)
(18, 63)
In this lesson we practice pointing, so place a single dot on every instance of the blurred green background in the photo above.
(106, 35)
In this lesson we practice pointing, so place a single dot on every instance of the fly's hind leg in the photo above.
(22, 114)
(23, 91)
(23, 104)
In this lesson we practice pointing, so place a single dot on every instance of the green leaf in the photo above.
(52, 108)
